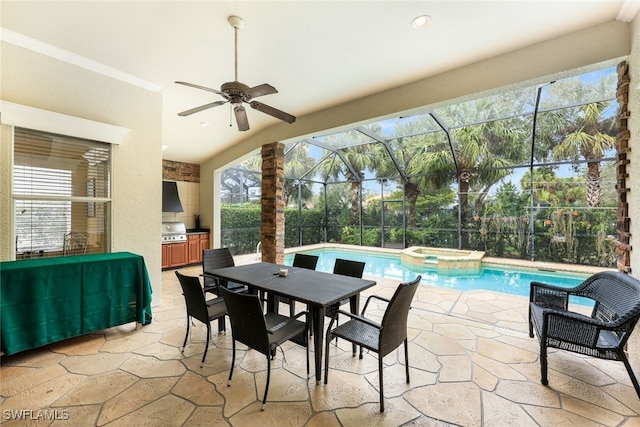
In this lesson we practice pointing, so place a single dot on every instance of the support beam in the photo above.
(272, 203)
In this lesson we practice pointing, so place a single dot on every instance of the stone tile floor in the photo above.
(472, 363)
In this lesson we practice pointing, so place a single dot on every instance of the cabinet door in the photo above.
(178, 254)
(166, 256)
(194, 250)
(204, 244)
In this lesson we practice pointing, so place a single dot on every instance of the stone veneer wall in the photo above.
(179, 171)
(623, 247)
(272, 202)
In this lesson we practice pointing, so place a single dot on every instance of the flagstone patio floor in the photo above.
(471, 360)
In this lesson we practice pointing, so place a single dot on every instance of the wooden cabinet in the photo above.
(189, 252)
(166, 256)
(195, 254)
(203, 243)
(174, 255)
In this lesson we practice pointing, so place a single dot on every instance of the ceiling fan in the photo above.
(238, 93)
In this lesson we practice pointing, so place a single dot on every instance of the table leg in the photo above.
(318, 339)
(354, 301)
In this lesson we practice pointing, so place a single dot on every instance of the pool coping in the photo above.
(486, 261)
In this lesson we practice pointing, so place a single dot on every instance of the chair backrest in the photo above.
(215, 258)
(394, 321)
(248, 324)
(346, 267)
(193, 297)
(305, 261)
(74, 244)
(616, 296)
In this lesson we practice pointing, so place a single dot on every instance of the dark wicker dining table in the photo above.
(317, 289)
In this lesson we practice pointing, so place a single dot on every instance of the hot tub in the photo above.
(440, 258)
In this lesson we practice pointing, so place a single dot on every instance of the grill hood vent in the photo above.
(170, 198)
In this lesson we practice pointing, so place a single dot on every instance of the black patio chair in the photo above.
(261, 332)
(345, 267)
(303, 261)
(381, 338)
(200, 309)
(218, 258)
(616, 311)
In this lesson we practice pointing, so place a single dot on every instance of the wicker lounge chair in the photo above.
(603, 335)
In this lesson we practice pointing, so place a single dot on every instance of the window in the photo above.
(60, 185)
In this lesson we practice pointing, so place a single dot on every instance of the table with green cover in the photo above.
(44, 300)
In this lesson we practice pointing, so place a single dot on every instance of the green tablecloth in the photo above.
(44, 300)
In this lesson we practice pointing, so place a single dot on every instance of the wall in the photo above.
(187, 177)
(634, 176)
(39, 81)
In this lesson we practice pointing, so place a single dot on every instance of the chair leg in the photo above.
(530, 325)
(222, 325)
(380, 376)
(634, 381)
(266, 388)
(233, 361)
(543, 364)
(206, 347)
(406, 357)
(184, 344)
(328, 339)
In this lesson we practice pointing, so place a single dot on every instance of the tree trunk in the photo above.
(594, 191)
(411, 193)
(463, 190)
(355, 202)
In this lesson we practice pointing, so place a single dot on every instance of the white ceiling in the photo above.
(318, 54)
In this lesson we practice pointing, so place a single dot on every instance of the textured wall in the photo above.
(38, 81)
(6, 210)
(634, 177)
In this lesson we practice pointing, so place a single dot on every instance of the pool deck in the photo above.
(472, 363)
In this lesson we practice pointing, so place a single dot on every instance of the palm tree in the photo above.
(589, 140)
(350, 162)
(484, 152)
(416, 179)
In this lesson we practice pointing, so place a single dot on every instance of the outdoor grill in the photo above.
(174, 232)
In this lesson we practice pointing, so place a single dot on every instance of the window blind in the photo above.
(60, 185)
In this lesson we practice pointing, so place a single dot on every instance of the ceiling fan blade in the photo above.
(241, 118)
(261, 90)
(208, 89)
(278, 114)
(202, 107)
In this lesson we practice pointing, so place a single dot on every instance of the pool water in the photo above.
(507, 280)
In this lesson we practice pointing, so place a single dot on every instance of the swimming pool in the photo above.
(497, 279)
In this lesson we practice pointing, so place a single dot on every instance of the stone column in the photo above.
(272, 202)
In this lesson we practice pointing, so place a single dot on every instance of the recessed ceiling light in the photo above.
(204, 124)
(421, 21)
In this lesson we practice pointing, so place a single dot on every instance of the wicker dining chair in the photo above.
(213, 259)
(616, 310)
(345, 267)
(261, 332)
(200, 309)
(303, 261)
(381, 338)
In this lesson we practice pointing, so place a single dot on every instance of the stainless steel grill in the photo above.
(174, 232)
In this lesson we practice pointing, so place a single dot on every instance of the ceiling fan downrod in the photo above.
(236, 23)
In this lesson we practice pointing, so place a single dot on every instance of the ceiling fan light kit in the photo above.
(237, 93)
